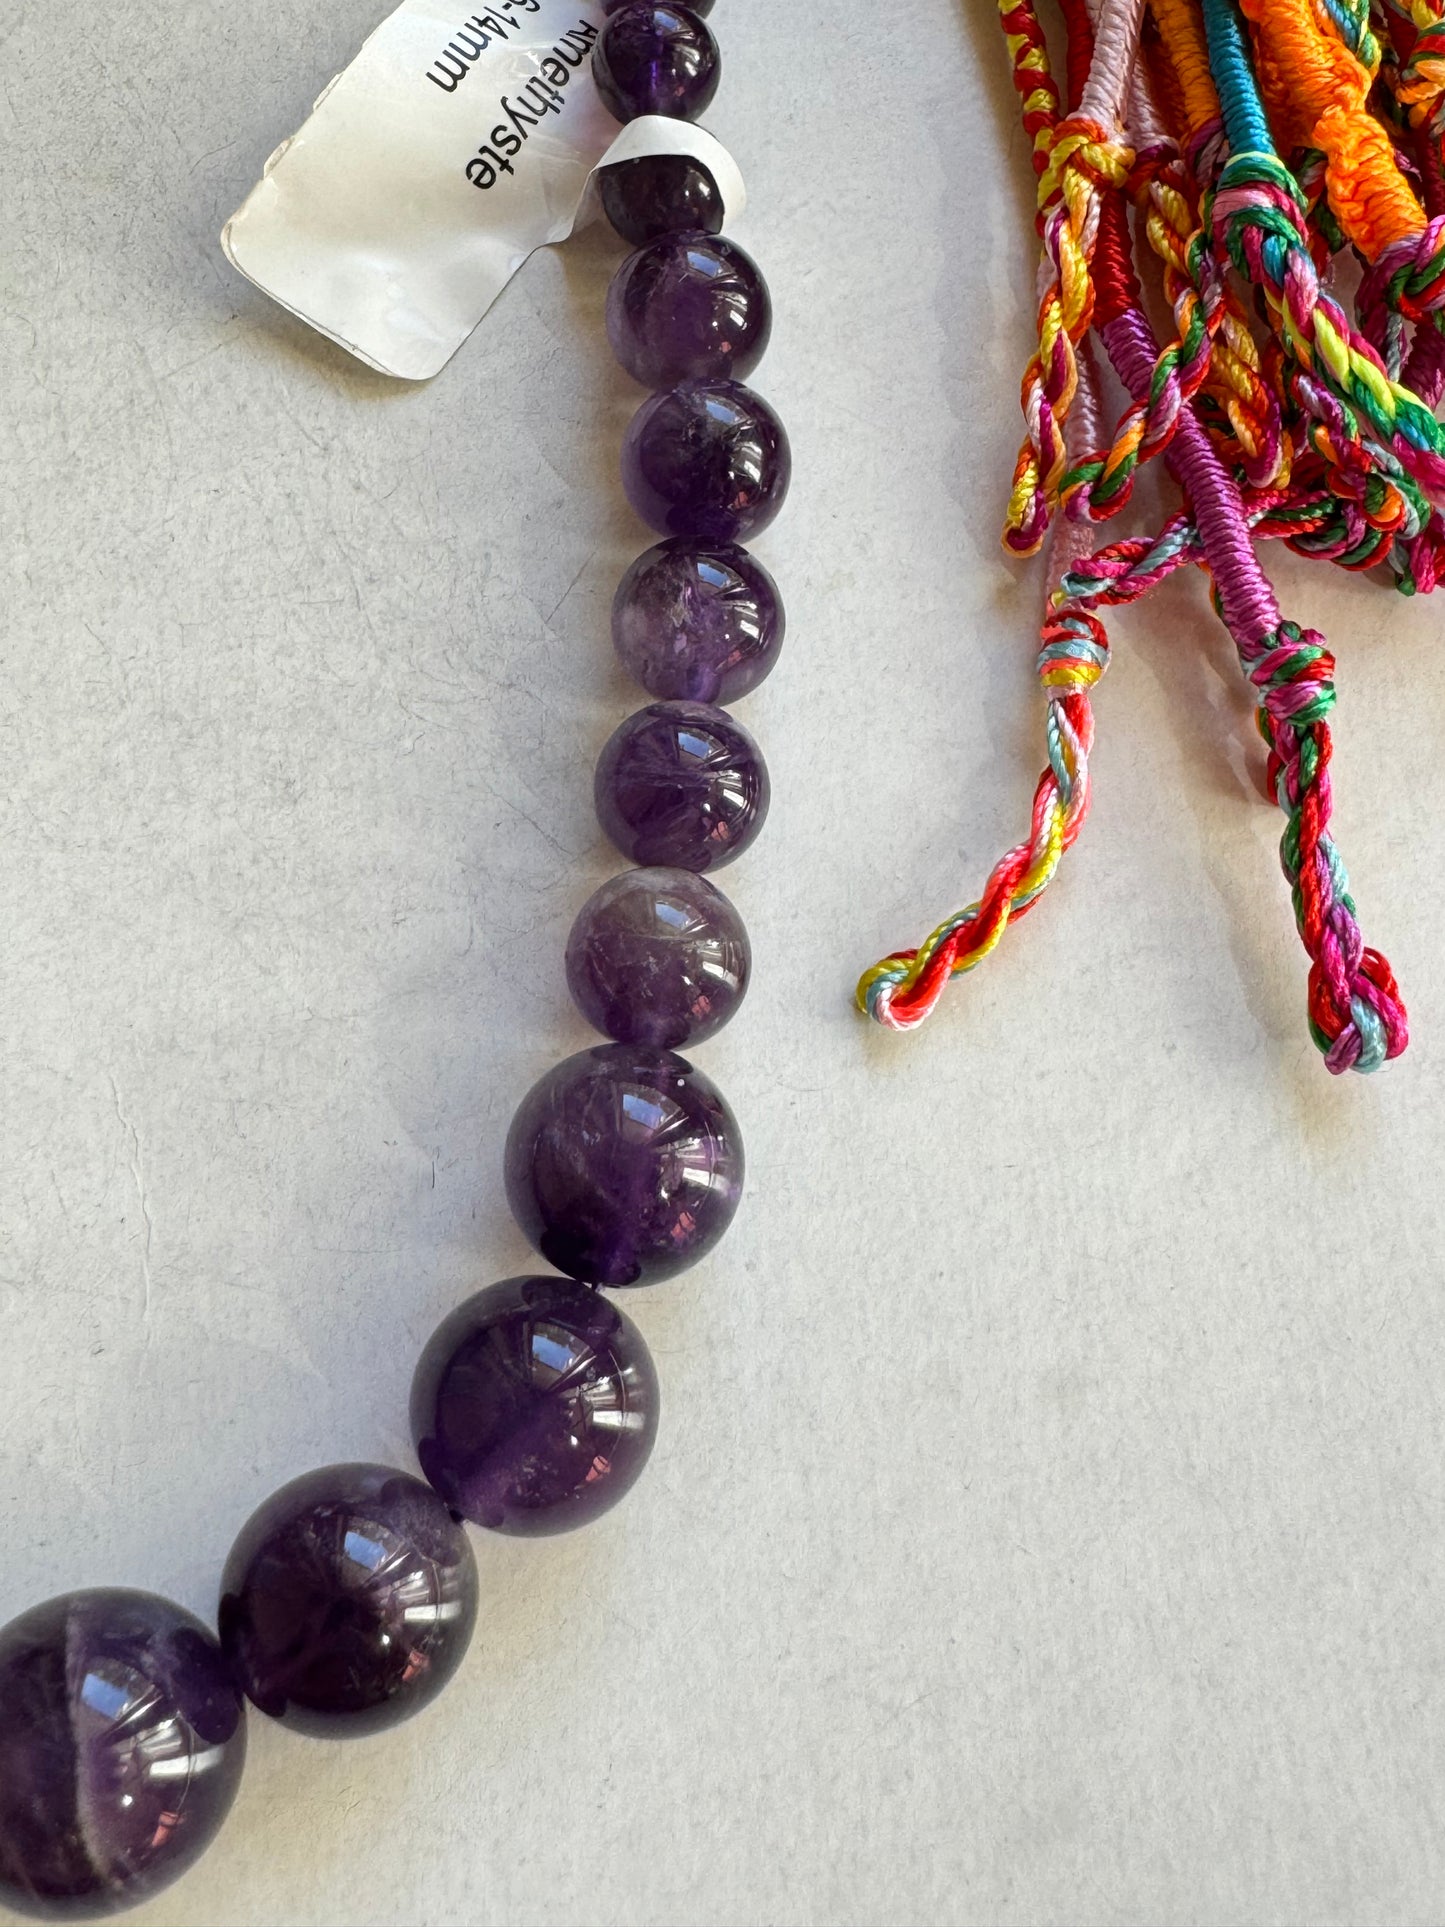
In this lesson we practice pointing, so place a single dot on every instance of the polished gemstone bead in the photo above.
(624, 1165)
(658, 957)
(534, 1406)
(122, 1740)
(700, 7)
(655, 60)
(682, 784)
(707, 459)
(348, 1600)
(688, 307)
(697, 621)
(656, 194)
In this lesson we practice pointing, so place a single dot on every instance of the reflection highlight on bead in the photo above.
(624, 1165)
(697, 622)
(122, 1740)
(534, 1406)
(708, 460)
(348, 1600)
(681, 784)
(655, 60)
(658, 956)
(688, 307)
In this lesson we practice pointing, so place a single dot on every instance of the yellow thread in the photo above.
(1181, 26)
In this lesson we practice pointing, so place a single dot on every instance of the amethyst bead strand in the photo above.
(350, 1596)
(348, 1600)
(699, 622)
(624, 1165)
(688, 307)
(681, 784)
(534, 1406)
(708, 459)
(122, 1740)
(655, 60)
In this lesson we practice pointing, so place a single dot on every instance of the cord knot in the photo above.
(1075, 652)
(1294, 672)
(1083, 147)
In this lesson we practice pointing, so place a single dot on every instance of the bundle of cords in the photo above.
(1255, 141)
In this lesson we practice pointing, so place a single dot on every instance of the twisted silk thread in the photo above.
(1279, 447)
(1376, 432)
(1074, 158)
(1375, 522)
(1356, 1015)
(1258, 215)
(900, 991)
(1316, 85)
(1413, 65)
(1211, 333)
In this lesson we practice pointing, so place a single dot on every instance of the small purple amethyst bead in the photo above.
(707, 459)
(703, 622)
(534, 1406)
(681, 784)
(348, 1600)
(658, 957)
(656, 194)
(688, 307)
(122, 1740)
(655, 60)
(624, 1165)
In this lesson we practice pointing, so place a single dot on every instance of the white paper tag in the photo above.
(454, 145)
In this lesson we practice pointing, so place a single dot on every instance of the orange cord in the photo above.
(1316, 92)
(1181, 28)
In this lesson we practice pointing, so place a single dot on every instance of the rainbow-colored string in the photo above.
(1255, 139)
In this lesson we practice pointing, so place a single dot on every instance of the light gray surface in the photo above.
(1046, 1526)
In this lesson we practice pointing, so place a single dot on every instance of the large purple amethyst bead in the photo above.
(534, 1406)
(688, 307)
(708, 459)
(681, 784)
(624, 1165)
(697, 621)
(700, 7)
(656, 194)
(348, 1600)
(655, 60)
(122, 1740)
(658, 957)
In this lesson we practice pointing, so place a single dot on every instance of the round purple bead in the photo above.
(348, 1600)
(122, 1740)
(655, 60)
(688, 307)
(708, 459)
(624, 1165)
(704, 623)
(534, 1406)
(681, 784)
(658, 957)
(700, 7)
(656, 194)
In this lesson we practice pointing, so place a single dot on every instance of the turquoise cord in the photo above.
(1244, 119)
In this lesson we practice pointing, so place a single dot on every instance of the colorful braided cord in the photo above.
(1255, 140)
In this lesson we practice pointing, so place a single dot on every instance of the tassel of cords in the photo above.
(1320, 433)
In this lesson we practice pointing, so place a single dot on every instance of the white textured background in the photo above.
(1046, 1525)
